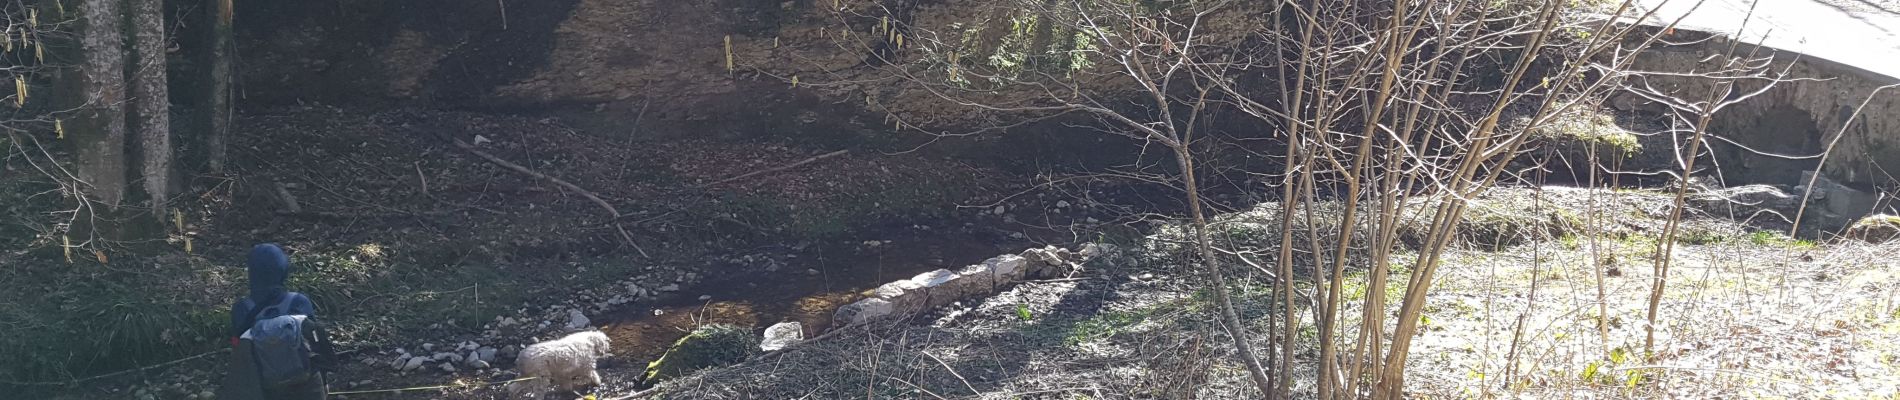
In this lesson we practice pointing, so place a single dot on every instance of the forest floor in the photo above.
(405, 239)
(414, 246)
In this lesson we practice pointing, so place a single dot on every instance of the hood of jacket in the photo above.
(269, 268)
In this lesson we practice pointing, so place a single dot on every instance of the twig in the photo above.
(422, 180)
(779, 168)
(290, 202)
(614, 213)
(953, 372)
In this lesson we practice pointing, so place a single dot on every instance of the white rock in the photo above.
(479, 140)
(812, 272)
(428, 347)
(1062, 204)
(478, 364)
(705, 297)
(863, 311)
(781, 335)
(1008, 267)
(999, 210)
(486, 354)
(671, 287)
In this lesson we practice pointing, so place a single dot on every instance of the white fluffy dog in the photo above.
(566, 363)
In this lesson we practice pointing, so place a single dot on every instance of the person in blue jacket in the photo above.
(269, 268)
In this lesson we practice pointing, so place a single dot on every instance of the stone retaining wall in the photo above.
(908, 297)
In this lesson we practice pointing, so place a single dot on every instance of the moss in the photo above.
(1580, 128)
(1875, 228)
(708, 346)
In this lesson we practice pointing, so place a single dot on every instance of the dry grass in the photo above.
(1749, 314)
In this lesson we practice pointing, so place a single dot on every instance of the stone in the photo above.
(508, 351)
(862, 312)
(999, 210)
(670, 287)
(479, 364)
(509, 321)
(486, 354)
(705, 297)
(1008, 267)
(1062, 204)
(905, 295)
(1090, 251)
(450, 357)
(782, 335)
(448, 367)
(428, 346)
(1746, 199)
(472, 358)
(414, 363)
(980, 277)
(577, 320)
(942, 287)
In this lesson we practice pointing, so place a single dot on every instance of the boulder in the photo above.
(782, 335)
(862, 312)
(980, 278)
(708, 346)
(1008, 267)
(906, 296)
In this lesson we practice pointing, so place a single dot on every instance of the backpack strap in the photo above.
(256, 310)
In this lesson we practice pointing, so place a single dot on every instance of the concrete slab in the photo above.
(1863, 34)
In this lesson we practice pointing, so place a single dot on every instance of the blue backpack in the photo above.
(278, 347)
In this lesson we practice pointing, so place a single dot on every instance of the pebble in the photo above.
(478, 364)
(1062, 204)
(671, 287)
(812, 272)
(486, 354)
(428, 347)
(999, 210)
(448, 367)
(705, 297)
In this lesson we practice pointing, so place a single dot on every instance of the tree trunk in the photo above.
(152, 101)
(99, 137)
(218, 87)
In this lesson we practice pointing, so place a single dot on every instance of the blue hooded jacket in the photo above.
(269, 268)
